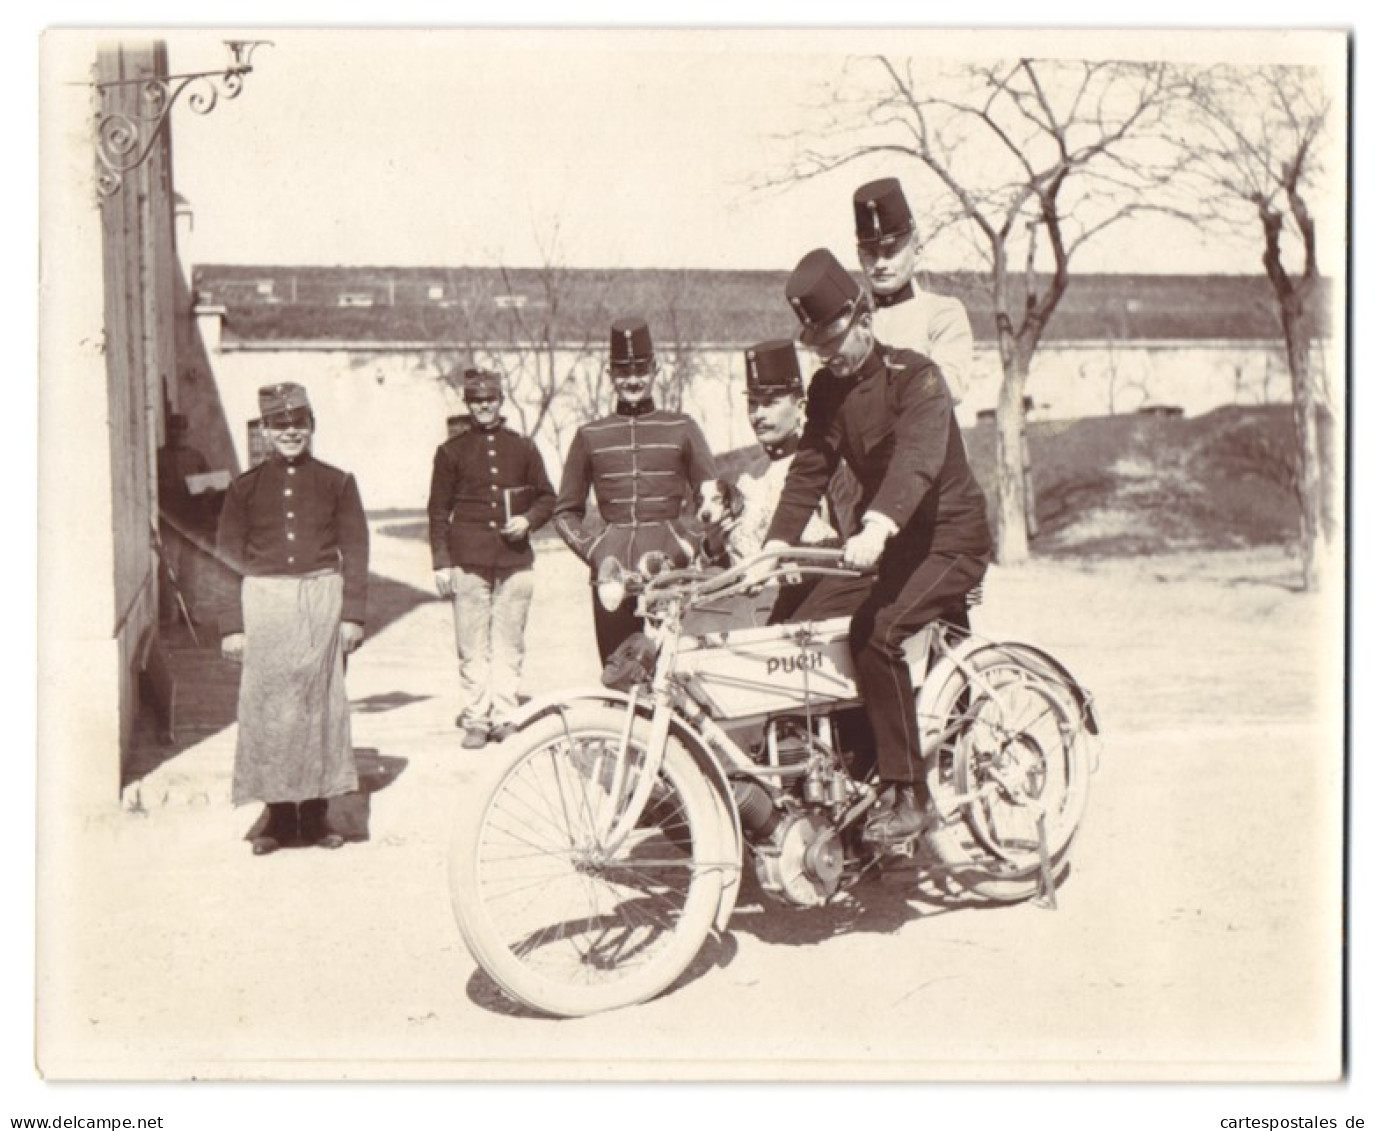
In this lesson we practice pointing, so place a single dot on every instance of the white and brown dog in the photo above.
(720, 506)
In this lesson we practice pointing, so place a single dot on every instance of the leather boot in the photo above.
(315, 828)
(902, 820)
(282, 828)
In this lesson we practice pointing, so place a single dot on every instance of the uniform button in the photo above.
(291, 471)
(287, 491)
(495, 487)
(290, 537)
(493, 525)
(494, 504)
(291, 514)
(494, 469)
(290, 560)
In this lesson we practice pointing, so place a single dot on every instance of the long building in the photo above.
(375, 345)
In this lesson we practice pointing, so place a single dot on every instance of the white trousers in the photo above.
(490, 607)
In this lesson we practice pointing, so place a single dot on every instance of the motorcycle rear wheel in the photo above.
(557, 921)
(1018, 735)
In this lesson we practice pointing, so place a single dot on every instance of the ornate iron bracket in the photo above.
(125, 137)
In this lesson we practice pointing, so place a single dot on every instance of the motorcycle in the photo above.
(612, 842)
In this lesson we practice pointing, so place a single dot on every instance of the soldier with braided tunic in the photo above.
(644, 464)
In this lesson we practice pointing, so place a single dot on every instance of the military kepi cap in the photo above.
(285, 396)
(881, 212)
(824, 296)
(771, 369)
(632, 351)
(480, 383)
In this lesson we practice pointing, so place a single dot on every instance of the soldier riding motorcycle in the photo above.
(611, 842)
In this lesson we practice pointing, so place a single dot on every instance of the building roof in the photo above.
(467, 306)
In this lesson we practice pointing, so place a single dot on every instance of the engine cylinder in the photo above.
(758, 815)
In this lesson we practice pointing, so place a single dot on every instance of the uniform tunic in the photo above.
(644, 464)
(934, 325)
(481, 479)
(298, 535)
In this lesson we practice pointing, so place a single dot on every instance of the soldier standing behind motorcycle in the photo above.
(889, 415)
(905, 316)
(644, 464)
(777, 406)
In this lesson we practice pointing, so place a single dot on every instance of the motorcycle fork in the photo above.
(624, 819)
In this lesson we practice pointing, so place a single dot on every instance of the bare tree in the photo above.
(1257, 147)
(1031, 157)
(539, 329)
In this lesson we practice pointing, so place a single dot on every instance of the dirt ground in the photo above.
(1197, 937)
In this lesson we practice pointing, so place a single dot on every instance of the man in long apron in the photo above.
(293, 527)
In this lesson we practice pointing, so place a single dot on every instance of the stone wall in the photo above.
(382, 412)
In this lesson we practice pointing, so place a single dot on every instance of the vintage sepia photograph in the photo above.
(647, 554)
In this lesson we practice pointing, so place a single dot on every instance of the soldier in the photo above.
(293, 527)
(645, 464)
(889, 415)
(904, 315)
(777, 403)
(488, 493)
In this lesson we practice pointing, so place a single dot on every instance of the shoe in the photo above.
(315, 830)
(902, 820)
(475, 738)
(282, 828)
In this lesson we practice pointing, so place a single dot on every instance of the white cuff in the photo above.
(882, 521)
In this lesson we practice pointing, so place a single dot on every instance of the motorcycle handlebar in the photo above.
(756, 570)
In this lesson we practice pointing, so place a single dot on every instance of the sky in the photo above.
(244, 217)
(613, 148)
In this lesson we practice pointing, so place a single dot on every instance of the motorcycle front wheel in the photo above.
(1014, 747)
(561, 920)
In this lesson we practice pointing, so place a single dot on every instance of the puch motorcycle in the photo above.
(611, 842)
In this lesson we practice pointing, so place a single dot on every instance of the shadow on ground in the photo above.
(717, 952)
(206, 693)
(350, 814)
(882, 901)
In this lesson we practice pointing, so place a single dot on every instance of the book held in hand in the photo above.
(517, 500)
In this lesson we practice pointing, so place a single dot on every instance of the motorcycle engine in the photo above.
(804, 861)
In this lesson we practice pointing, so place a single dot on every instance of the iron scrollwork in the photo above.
(125, 137)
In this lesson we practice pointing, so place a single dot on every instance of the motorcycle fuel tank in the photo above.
(750, 672)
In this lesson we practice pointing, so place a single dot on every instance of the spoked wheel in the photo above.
(561, 918)
(1013, 765)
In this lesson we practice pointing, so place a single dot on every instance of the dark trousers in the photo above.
(613, 626)
(884, 612)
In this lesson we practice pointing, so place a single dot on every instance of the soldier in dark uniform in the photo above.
(488, 493)
(888, 414)
(294, 529)
(644, 464)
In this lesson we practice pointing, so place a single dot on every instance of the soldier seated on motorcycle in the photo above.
(888, 415)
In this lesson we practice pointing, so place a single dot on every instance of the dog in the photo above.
(719, 501)
(720, 506)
